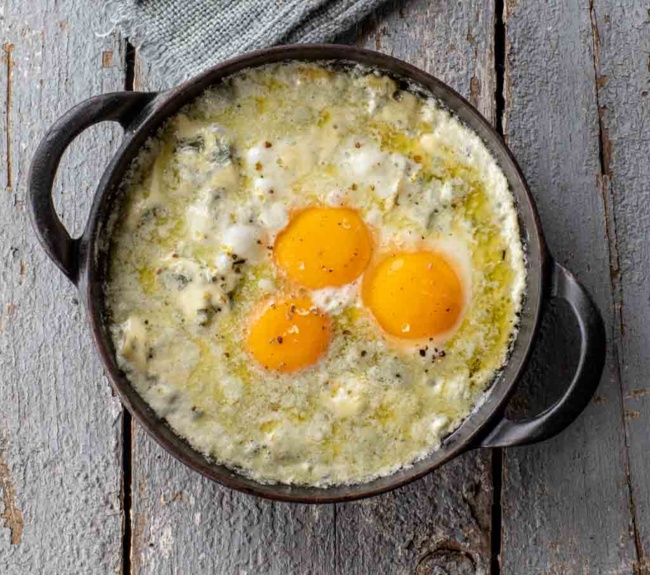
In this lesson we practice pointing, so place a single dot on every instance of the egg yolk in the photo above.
(413, 295)
(289, 335)
(324, 247)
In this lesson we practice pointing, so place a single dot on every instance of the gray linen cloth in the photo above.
(183, 37)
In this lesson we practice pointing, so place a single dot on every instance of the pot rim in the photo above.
(476, 425)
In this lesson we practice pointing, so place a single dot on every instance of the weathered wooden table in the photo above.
(83, 490)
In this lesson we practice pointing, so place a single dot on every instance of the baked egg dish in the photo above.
(316, 274)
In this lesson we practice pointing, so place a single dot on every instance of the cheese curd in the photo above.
(316, 274)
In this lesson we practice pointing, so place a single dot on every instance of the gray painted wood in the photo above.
(566, 502)
(441, 524)
(60, 441)
(453, 41)
(577, 504)
(622, 52)
(183, 523)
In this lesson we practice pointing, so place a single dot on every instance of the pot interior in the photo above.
(105, 213)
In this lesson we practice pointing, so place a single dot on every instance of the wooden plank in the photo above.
(566, 505)
(60, 441)
(183, 523)
(441, 524)
(621, 49)
(452, 42)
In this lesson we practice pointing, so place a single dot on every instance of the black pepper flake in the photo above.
(268, 144)
(364, 353)
(279, 339)
(423, 352)
(347, 332)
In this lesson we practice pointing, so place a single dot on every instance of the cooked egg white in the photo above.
(316, 275)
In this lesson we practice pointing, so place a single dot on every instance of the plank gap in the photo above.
(499, 63)
(127, 427)
(8, 48)
(127, 479)
(497, 453)
(604, 156)
(495, 531)
(129, 65)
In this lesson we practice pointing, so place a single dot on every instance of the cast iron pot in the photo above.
(84, 261)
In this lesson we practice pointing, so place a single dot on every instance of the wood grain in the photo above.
(441, 524)
(622, 69)
(576, 90)
(60, 444)
(183, 522)
(566, 502)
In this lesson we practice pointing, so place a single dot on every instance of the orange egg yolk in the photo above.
(413, 295)
(288, 335)
(323, 247)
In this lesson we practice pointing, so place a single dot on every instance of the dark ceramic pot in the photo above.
(84, 261)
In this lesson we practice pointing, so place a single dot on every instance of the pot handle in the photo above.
(121, 107)
(550, 422)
